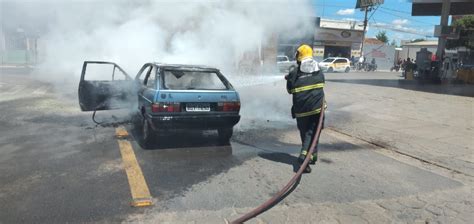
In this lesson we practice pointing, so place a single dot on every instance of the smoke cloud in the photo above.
(217, 33)
(130, 33)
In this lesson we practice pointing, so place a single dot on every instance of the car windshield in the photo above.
(281, 58)
(328, 60)
(186, 80)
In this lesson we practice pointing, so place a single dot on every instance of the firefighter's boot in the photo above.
(307, 169)
(312, 160)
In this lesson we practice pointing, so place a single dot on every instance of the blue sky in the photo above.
(394, 16)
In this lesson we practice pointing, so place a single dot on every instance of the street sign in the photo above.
(367, 3)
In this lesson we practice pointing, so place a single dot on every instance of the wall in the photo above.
(384, 55)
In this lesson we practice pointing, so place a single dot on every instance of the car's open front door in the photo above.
(104, 86)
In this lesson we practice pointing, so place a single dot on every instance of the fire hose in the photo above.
(291, 184)
(103, 124)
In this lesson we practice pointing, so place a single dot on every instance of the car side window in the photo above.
(143, 73)
(340, 61)
(118, 74)
(150, 79)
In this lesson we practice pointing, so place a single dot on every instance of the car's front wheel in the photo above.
(224, 135)
(330, 69)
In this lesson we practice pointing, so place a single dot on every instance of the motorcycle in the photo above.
(371, 67)
(361, 66)
(395, 67)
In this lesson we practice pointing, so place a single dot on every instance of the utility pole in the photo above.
(366, 9)
(444, 23)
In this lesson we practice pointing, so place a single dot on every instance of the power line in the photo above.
(396, 10)
(400, 30)
(374, 12)
(411, 19)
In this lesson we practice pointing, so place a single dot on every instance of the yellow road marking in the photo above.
(121, 132)
(140, 193)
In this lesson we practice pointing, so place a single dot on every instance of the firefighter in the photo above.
(306, 84)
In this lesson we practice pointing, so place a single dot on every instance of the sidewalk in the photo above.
(438, 128)
(22, 69)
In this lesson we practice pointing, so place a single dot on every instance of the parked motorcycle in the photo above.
(370, 67)
(360, 66)
(395, 67)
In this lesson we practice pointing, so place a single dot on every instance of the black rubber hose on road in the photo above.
(103, 124)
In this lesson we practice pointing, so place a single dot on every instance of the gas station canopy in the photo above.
(433, 7)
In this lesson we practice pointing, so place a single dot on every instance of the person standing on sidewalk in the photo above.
(306, 85)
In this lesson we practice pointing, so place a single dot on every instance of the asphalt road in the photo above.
(56, 166)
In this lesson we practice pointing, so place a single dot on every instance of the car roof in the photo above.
(336, 58)
(185, 66)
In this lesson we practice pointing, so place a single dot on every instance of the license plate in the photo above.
(198, 107)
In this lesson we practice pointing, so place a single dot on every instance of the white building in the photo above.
(410, 49)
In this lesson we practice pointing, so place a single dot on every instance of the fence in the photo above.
(18, 57)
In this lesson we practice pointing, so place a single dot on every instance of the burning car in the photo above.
(165, 97)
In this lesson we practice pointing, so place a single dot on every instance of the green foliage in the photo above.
(417, 40)
(393, 43)
(382, 36)
(466, 24)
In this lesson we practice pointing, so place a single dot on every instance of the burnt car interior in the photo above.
(189, 80)
(105, 85)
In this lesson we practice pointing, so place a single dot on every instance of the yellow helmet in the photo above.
(304, 52)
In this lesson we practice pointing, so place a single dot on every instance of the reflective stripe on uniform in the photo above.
(305, 88)
(317, 111)
(304, 153)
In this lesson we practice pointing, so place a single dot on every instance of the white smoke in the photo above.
(216, 33)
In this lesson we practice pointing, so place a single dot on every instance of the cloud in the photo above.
(349, 19)
(403, 29)
(400, 22)
(345, 12)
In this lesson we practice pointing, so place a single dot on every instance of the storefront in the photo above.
(337, 39)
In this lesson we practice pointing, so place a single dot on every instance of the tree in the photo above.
(417, 40)
(393, 43)
(382, 36)
(466, 27)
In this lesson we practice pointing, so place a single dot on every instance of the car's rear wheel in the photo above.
(147, 134)
(224, 135)
(330, 69)
(347, 70)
